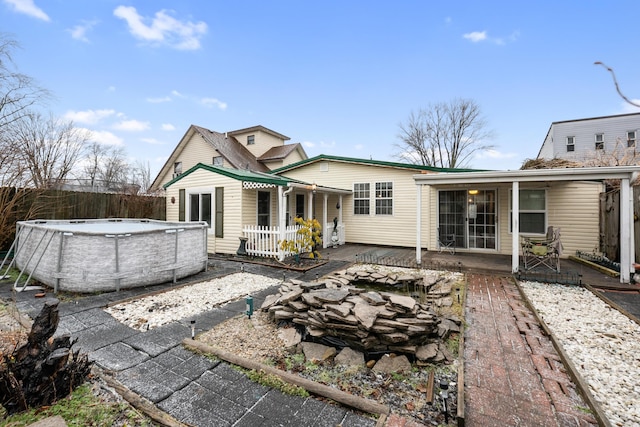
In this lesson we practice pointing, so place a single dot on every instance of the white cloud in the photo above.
(213, 102)
(494, 154)
(448, 20)
(28, 7)
(111, 89)
(176, 93)
(327, 144)
(89, 116)
(628, 108)
(482, 36)
(476, 36)
(168, 127)
(79, 32)
(359, 147)
(105, 137)
(132, 125)
(159, 100)
(163, 28)
(309, 144)
(152, 141)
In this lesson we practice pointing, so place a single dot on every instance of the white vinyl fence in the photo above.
(264, 241)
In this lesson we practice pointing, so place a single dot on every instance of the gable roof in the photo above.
(231, 150)
(237, 174)
(279, 153)
(382, 163)
(256, 177)
(259, 128)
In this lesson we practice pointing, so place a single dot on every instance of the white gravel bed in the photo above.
(602, 343)
(157, 310)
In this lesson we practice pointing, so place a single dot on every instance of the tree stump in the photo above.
(44, 369)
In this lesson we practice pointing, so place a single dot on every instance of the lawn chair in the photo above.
(446, 242)
(542, 252)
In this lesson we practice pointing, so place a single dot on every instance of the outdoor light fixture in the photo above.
(249, 302)
(193, 329)
(473, 192)
(313, 187)
(338, 205)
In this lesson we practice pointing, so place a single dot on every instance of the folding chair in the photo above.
(446, 242)
(542, 252)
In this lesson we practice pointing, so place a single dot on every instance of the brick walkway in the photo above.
(513, 374)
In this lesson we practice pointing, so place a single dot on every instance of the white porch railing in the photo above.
(263, 240)
(327, 235)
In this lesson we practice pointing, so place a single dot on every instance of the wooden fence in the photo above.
(610, 223)
(24, 204)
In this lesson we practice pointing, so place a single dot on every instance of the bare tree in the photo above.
(444, 135)
(18, 92)
(141, 176)
(615, 82)
(49, 148)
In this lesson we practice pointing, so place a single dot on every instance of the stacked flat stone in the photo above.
(365, 320)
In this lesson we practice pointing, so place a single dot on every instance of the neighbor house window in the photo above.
(217, 161)
(251, 139)
(200, 207)
(361, 198)
(384, 198)
(571, 143)
(631, 138)
(533, 211)
(599, 141)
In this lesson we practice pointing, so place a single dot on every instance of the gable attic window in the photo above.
(571, 143)
(599, 138)
(177, 169)
(631, 138)
(251, 139)
(217, 161)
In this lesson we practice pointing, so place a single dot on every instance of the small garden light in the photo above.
(193, 329)
(249, 301)
(444, 392)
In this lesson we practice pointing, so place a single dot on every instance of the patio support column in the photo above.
(626, 231)
(310, 197)
(282, 220)
(418, 223)
(340, 210)
(325, 198)
(515, 226)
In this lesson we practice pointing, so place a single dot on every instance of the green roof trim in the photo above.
(322, 157)
(237, 174)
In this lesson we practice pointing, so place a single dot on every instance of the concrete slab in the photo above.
(181, 406)
(103, 335)
(152, 380)
(118, 357)
(159, 340)
(242, 390)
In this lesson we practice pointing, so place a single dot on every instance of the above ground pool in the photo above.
(95, 255)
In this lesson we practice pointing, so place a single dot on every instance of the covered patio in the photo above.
(625, 174)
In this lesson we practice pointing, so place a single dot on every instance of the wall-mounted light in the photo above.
(473, 192)
(173, 200)
(338, 205)
(313, 187)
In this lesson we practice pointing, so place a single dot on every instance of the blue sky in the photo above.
(335, 76)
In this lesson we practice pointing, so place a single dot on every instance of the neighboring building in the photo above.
(585, 140)
(256, 149)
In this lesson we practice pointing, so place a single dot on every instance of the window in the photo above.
(631, 138)
(177, 169)
(384, 198)
(220, 212)
(361, 199)
(200, 207)
(533, 211)
(217, 161)
(571, 140)
(251, 139)
(599, 141)
(300, 205)
(264, 208)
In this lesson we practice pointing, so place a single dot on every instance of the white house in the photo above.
(585, 139)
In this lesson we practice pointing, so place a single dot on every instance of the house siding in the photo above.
(614, 128)
(195, 151)
(398, 229)
(262, 141)
(204, 181)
